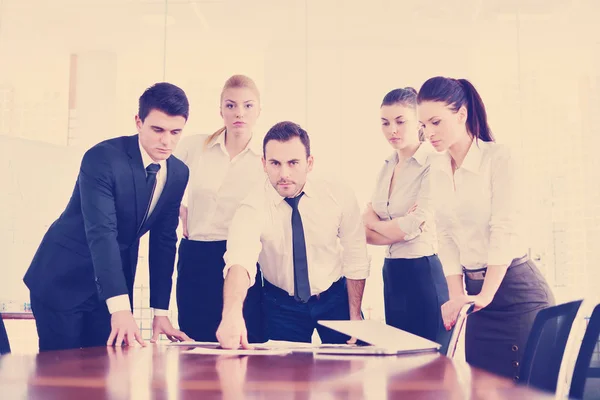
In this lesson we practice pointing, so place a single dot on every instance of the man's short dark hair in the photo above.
(164, 97)
(285, 131)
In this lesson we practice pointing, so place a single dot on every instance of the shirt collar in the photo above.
(276, 198)
(147, 160)
(254, 145)
(309, 188)
(420, 155)
(393, 158)
(472, 161)
(218, 141)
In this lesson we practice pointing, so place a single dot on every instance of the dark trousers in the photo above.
(200, 292)
(414, 291)
(4, 343)
(291, 320)
(495, 336)
(86, 325)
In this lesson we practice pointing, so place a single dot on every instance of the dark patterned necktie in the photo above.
(151, 172)
(301, 283)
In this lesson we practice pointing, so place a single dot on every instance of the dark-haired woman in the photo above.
(400, 216)
(479, 222)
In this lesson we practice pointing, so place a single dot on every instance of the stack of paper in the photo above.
(272, 347)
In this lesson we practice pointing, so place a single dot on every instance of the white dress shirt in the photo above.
(479, 212)
(121, 303)
(261, 231)
(217, 184)
(412, 186)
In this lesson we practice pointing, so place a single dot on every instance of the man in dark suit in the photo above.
(81, 277)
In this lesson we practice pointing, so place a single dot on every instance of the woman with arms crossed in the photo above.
(413, 278)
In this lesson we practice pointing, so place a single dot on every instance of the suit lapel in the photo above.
(139, 179)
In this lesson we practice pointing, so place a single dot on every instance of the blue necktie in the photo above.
(301, 283)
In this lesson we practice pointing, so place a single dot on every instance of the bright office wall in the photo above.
(71, 73)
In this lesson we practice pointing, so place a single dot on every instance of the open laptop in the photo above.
(382, 339)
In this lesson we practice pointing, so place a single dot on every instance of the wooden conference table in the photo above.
(169, 372)
(16, 315)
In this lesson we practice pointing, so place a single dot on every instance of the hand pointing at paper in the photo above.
(232, 331)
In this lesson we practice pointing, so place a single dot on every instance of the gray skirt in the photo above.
(496, 335)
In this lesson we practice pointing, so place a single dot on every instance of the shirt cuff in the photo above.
(158, 312)
(450, 259)
(410, 226)
(358, 271)
(412, 235)
(118, 303)
(251, 276)
(357, 275)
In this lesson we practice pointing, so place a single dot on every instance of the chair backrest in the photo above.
(584, 358)
(4, 344)
(449, 348)
(545, 346)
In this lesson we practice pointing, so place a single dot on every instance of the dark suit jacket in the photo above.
(93, 246)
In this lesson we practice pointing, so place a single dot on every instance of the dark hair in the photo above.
(164, 97)
(457, 93)
(406, 97)
(284, 131)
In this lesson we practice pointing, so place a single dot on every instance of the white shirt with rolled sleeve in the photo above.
(261, 231)
(479, 214)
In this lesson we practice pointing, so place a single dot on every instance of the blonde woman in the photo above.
(223, 167)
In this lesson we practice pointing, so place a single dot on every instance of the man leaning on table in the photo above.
(81, 277)
(308, 237)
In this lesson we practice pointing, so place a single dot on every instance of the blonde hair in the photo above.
(236, 81)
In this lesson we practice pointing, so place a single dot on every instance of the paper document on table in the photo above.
(238, 352)
(283, 344)
(270, 345)
(278, 346)
(299, 347)
(215, 349)
(191, 343)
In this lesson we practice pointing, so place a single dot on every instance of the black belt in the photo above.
(269, 286)
(479, 274)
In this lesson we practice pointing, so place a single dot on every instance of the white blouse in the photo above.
(217, 184)
(479, 209)
(412, 186)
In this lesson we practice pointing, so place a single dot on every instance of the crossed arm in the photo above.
(407, 227)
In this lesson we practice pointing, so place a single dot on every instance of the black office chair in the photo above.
(582, 369)
(4, 344)
(449, 348)
(545, 346)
